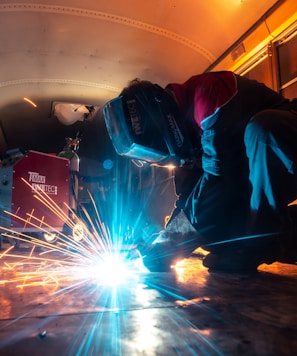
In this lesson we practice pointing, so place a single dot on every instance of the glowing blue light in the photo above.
(111, 269)
(108, 164)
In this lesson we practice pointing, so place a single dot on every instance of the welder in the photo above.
(233, 142)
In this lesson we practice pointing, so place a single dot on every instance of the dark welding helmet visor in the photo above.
(146, 126)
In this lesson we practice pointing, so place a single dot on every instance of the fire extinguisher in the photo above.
(70, 151)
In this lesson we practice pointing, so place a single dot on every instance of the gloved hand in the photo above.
(176, 242)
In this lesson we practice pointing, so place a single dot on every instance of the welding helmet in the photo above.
(145, 125)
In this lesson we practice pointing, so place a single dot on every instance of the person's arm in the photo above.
(185, 179)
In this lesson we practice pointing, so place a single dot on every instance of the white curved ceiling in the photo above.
(86, 51)
(90, 49)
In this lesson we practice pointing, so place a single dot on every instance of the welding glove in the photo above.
(176, 242)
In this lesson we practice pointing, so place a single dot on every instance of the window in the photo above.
(261, 71)
(287, 60)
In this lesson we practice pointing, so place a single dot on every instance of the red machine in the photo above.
(27, 178)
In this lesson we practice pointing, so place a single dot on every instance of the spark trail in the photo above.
(72, 259)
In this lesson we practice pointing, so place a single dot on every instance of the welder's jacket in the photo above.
(217, 107)
(221, 104)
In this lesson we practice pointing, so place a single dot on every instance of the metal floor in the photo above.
(186, 312)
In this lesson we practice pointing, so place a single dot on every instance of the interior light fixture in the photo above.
(69, 113)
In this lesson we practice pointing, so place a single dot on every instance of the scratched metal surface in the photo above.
(186, 312)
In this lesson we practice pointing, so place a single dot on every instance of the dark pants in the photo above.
(250, 178)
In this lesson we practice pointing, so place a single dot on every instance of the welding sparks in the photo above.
(30, 102)
(86, 272)
(90, 258)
